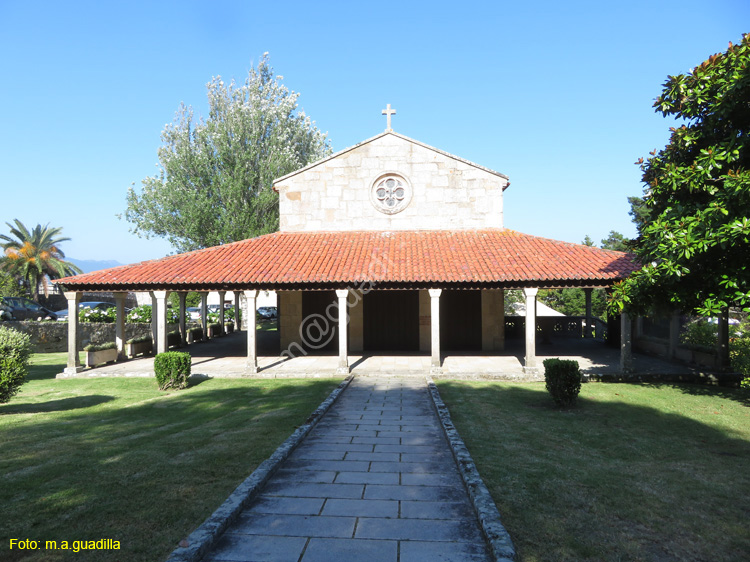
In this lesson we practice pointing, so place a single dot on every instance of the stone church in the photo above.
(389, 245)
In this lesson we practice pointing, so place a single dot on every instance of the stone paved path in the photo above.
(374, 481)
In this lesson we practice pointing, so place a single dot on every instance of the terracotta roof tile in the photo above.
(498, 257)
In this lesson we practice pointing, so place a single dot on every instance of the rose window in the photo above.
(391, 194)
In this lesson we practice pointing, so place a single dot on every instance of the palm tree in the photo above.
(34, 256)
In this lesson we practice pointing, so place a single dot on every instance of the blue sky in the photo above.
(557, 95)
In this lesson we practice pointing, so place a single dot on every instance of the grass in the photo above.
(634, 472)
(115, 458)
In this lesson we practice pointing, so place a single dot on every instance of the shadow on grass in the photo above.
(61, 405)
(740, 396)
(624, 475)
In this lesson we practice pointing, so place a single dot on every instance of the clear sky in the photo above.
(556, 95)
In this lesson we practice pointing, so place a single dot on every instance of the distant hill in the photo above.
(93, 265)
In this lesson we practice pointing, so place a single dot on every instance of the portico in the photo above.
(390, 245)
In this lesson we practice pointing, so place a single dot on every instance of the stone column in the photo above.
(530, 360)
(290, 322)
(154, 330)
(343, 367)
(626, 350)
(587, 331)
(674, 334)
(722, 343)
(204, 315)
(183, 326)
(221, 311)
(160, 312)
(237, 318)
(424, 321)
(74, 361)
(120, 324)
(251, 367)
(435, 360)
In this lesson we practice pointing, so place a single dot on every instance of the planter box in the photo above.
(215, 332)
(193, 337)
(138, 348)
(94, 358)
(229, 327)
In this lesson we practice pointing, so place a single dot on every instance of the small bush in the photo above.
(100, 347)
(15, 350)
(563, 380)
(739, 354)
(139, 339)
(140, 315)
(95, 315)
(172, 369)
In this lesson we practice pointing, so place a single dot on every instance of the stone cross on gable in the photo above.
(388, 112)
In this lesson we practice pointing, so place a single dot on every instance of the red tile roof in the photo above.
(477, 258)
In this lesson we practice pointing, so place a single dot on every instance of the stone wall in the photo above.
(50, 337)
(446, 192)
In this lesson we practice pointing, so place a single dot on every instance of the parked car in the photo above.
(194, 313)
(267, 312)
(98, 305)
(22, 308)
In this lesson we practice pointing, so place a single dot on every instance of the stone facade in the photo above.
(441, 191)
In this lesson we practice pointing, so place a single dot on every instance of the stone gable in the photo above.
(391, 182)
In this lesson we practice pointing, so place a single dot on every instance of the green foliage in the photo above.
(216, 173)
(191, 299)
(100, 346)
(96, 315)
(172, 369)
(139, 315)
(699, 333)
(615, 241)
(512, 297)
(34, 255)
(9, 286)
(739, 355)
(139, 339)
(562, 379)
(197, 332)
(15, 350)
(174, 339)
(572, 301)
(695, 238)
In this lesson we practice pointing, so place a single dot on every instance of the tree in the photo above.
(35, 256)
(694, 247)
(615, 241)
(214, 185)
(587, 241)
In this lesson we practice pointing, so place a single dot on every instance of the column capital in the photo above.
(342, 293)
(530, 291)
(72, 295)
(250, 294)
(434, 293)
(159, 294)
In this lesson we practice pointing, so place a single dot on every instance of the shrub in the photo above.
(139, 339)
(15, 350)
(101, 346)
(172, 369)
(97, 315)
(140, 315)
(563, 380)
(739, 354)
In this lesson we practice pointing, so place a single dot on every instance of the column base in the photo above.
(530, 371)
(251, 368)
(436, 370)
(73, 370)
(342, 370)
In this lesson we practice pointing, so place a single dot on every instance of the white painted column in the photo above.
(120, 324)
(183, 326)
(343, 367)
(74, 361)
(587, 331)
(154, 329)
(160, 311)
(435, 360)
(626, 349)
(251, 367)
(204, 315)
(237, 319)
(530, 360)
(221, 311)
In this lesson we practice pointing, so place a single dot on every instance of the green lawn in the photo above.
(114, 458)
(635, 472)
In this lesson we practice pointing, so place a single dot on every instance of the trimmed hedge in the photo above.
(101, 346)
(15, 350)
(563, 380)
(172, 369)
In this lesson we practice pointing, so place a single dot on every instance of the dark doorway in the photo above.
(391, 321)
(460, 320)
(319, 330)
